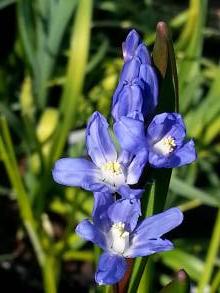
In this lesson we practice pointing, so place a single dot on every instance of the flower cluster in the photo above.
(144, 139)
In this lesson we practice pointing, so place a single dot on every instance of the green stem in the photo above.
(192, 204)
(216, 283)
(50, 274)
(137, 274)
(211, 256)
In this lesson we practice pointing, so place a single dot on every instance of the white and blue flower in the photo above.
(163, 142)
(116, 230)
(108, 171)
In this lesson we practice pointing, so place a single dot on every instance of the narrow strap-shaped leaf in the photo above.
(75, 74)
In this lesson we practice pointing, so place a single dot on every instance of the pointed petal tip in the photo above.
(133, 34)
(94, 116)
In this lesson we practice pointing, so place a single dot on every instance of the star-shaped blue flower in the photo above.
(108, 171)
(163, 142)
(116, 230)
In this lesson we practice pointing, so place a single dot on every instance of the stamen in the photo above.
(112, 173)
(119, 238)
(113, 167)
(165, 146)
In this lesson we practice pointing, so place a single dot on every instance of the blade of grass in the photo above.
(216, 283)
(75, 75)
(181, 188)
(177, 259)
(5, 3)
(211, 256)
(9, 159)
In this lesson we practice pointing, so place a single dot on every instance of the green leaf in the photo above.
(42, 26)
(191, 44)
(5, 3)
(178, 259)
(181, 188)
(75, 75)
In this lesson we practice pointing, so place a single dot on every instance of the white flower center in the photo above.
(119, 238)
(112, 173)
(165, 146)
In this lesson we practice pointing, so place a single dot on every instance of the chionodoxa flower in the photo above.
(163, 142)
(108, 171)
(116, 230)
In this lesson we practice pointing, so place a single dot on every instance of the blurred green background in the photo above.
(60, 60)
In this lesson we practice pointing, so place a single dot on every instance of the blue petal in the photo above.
(111, 269)
(130, 99)
(147, 247)
(159, 161)
(76, 172)
(157, 225)
(166, 124)
(99, 144)
(136, 167)
(130, 70)
(143, 54)
(118, 89)
(183, 155)
(127, 193)
(130, 45)
(145, 239)
(125, 211)
(125, 158)
(186, 154)
(90, 232)
(130, 134)
(102, 201)
(149, 77)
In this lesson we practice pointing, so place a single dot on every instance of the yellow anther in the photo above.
(113, 167)
(120, 228)
(166, 145)
(169, 142)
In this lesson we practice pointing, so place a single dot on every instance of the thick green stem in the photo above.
(211, 256)
(216, 283)
(137, 274)
(49, 272)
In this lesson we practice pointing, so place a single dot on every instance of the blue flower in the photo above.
(138, 86)
(121, 236)
(164, 143)
(107, 172)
